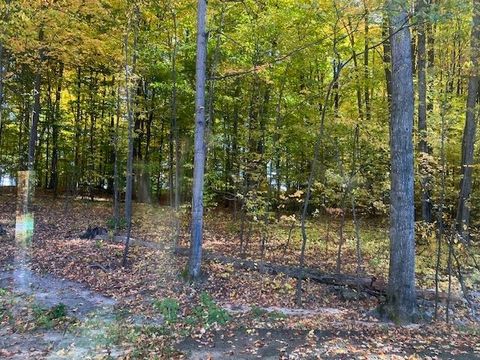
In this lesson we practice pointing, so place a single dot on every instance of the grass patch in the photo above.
(49, 318)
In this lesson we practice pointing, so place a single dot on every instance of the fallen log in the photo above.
(133, 242)
(361, 283)
(364, 283)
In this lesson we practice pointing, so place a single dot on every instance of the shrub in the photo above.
(168, 308)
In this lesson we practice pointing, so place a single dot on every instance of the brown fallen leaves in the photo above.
(155, 274)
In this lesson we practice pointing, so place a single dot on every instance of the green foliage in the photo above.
(276, 315)
(257, 312)
(169, 308)
(184, 273)
(4, 292)
(263, 127)
(208, 313)
(47, 318)
(121, 223)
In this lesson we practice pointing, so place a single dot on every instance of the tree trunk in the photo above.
(308, 192)
(358, 88)
(129, 185)
(1, 96)
(401, 298)
(200, 155)
(55, 133)
(176, 197)
(36, 108)
(78, 116)
(387, 61)
(116, 201)
(422, 110)
(468, 142)
(2, 61)
(368, 107)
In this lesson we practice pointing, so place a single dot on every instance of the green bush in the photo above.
(209, 312)
(168, 308)
(48, 317)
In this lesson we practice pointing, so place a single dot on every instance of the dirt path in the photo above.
(48, 291)
(23, 289)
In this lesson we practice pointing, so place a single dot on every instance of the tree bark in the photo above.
(116, 200)
(366, 58)
(358, 86)
(422, 109)
(2, 61)
(36, 108)
(311, 178)
(129, 185)
(469, 132)
(78, 116)
(387, 61)
(199, 145)
(1, 96)
(401, 298)
(55, 133)
(176, 197)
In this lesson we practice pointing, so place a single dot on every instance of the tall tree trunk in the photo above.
(78, 115)
(2, 62)
(313, 171)
(160, 160)
(368, 107)
(36, 108)
(387, 61)
(176, 200)
(130, 116)
(469, 132)
(116, 201)
(430, 59)
(422, 109)
(358, 86)
(277, 144)
(200, 155)
(401, 296)
(148, 134)
(1, 97)
(55, 133)
(235, 156)
(171, 175)
(210, 106)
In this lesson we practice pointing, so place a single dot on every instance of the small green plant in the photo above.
(47, 318)
(184, 274)
(154, 330)
(121, 223)
(58, 311)
(6, 314)
(4, 292)
(209, 312)
(257, 312)
(276, 315)
(169, 308)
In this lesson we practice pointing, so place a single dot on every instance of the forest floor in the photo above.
(72, 299)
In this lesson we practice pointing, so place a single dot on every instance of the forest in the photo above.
(239, 179)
